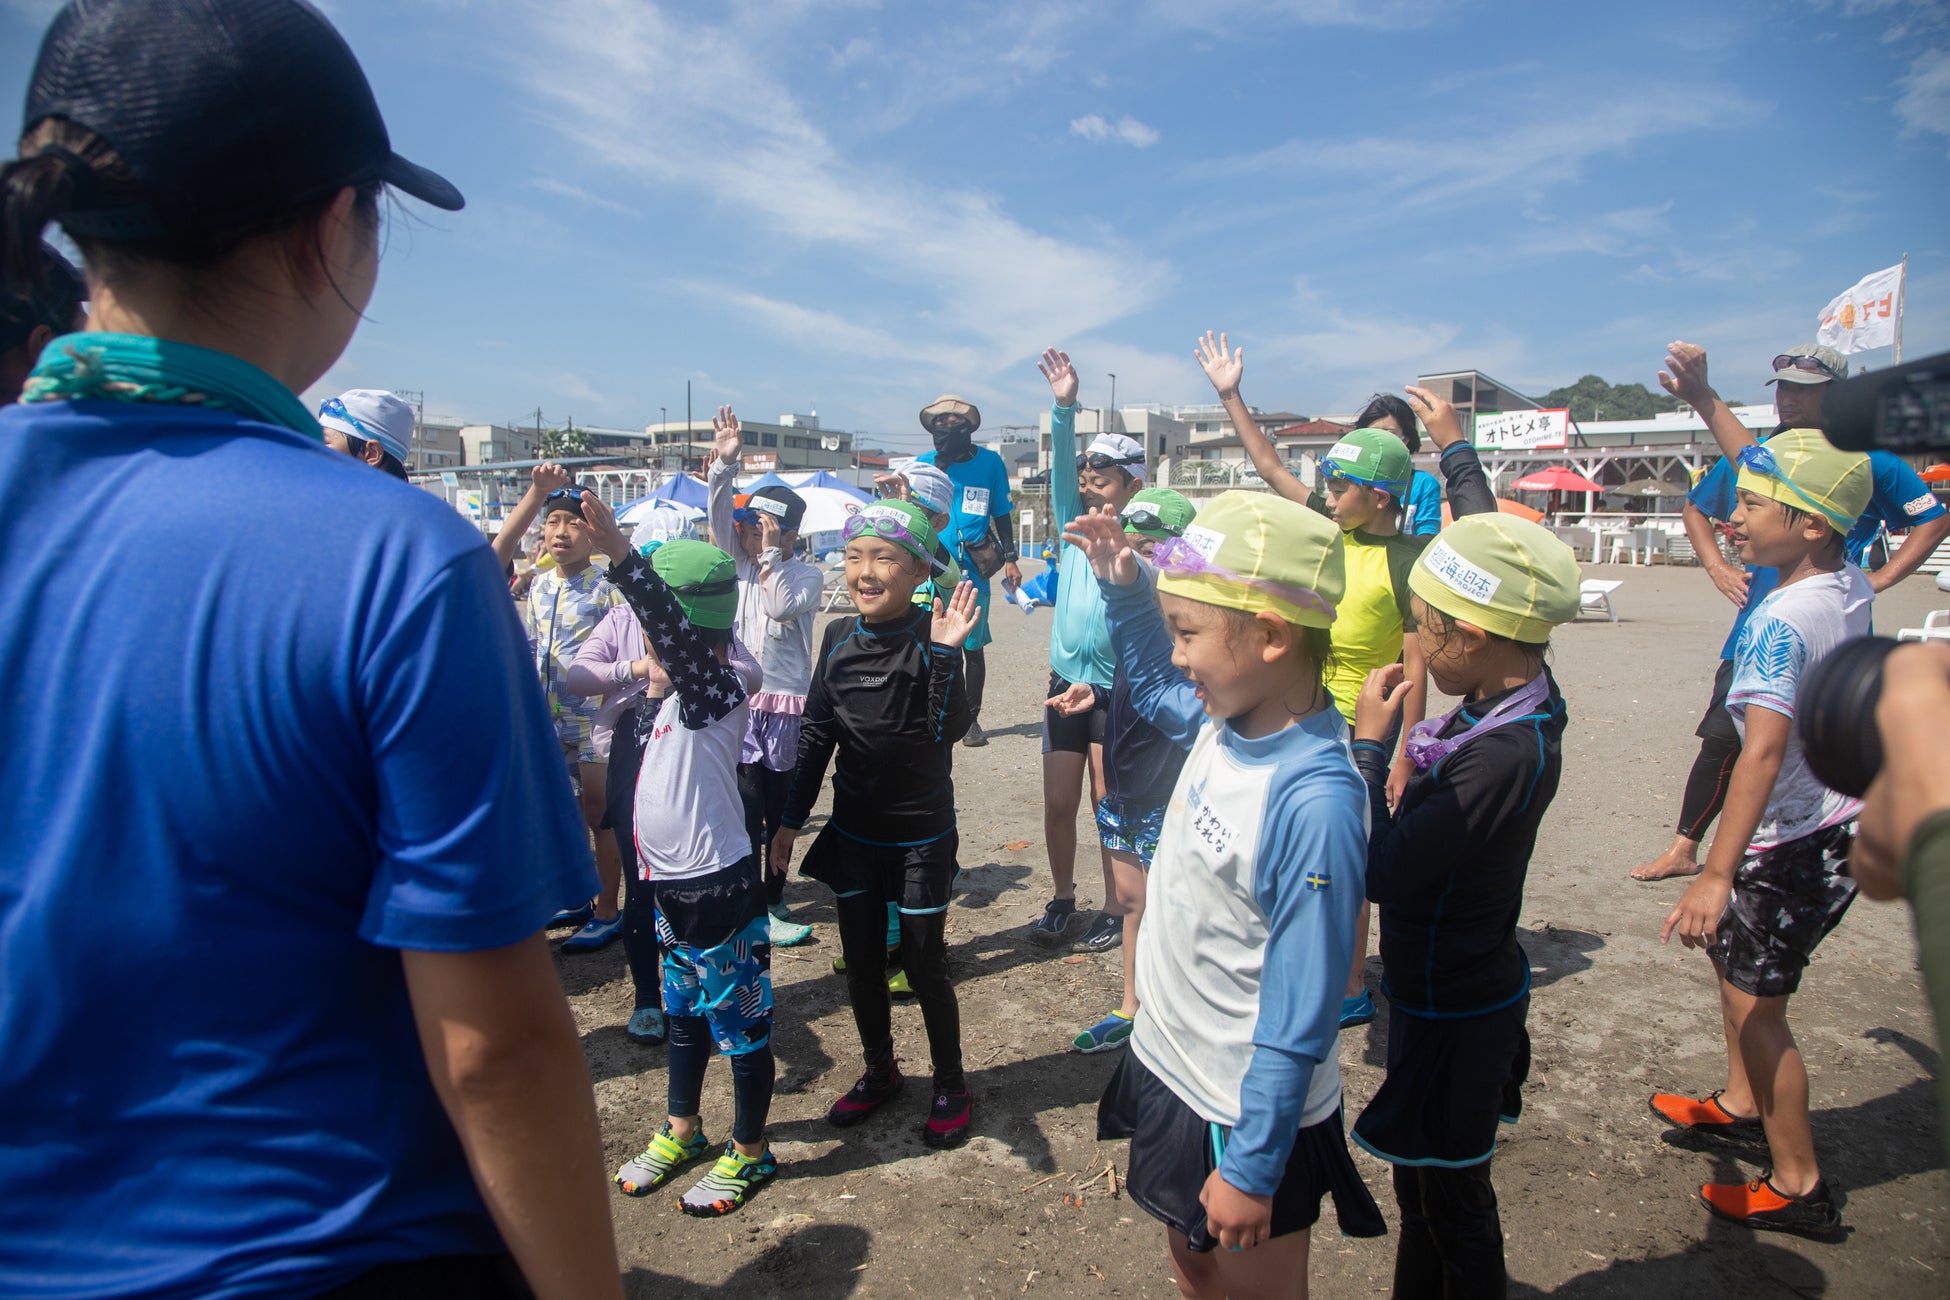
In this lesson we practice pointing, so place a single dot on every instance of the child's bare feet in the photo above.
(1682, 859)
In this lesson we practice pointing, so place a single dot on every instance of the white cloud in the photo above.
(1924, 104)
(1548, 148)
(1127, 129)
(549, 185)
(706, 110)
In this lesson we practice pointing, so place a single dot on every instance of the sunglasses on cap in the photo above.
(1146, 518)
(1104, 460)
(1814, 365)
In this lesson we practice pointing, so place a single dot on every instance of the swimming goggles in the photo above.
(1104, 460)
(1178, 558)
(1761, 461)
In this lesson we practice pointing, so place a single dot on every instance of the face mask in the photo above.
(954, 444)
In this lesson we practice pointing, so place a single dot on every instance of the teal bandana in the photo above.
(113, 367)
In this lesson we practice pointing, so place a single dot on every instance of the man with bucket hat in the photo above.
(981, 526)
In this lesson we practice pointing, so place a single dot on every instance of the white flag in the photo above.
(1865, 316)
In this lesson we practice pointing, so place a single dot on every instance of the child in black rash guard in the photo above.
(1447, 869)
(888, 695)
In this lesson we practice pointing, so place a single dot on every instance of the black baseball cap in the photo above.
(226, 111)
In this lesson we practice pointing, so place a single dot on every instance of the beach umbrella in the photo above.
(828, 509)
(658, 520)
(1648, 487)
(1558, 478)
(1937, 474)
(1504, 506)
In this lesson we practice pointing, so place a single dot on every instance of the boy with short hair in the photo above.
(1775, 881)
(889, 697)
(565, 602)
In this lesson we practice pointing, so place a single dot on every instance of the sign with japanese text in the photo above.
(1524, 430)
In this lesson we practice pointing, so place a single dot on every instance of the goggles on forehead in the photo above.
(756, 506)
(711, 587)
(1761, 461)
(1814, 365)
(336, 409)
(890, 529)
(1145, 517)
(568, 498)
(1104, 460)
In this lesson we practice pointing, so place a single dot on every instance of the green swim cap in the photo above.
(1158, 513)
(703, 578)
(1374, 457)
(901, 522)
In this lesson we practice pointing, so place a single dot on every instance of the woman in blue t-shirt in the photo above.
(286, 816)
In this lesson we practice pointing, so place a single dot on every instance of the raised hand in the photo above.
(891, 487)
(1061, 374)
(1685, 375)
(603, 528)
(1100, 536)
(1222, 365)
(955, 618)
(1438, 416)
(727, 439)
(769, 536)
(549, 477)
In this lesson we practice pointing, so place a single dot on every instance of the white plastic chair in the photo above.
(1936, 627)
(1594, 597)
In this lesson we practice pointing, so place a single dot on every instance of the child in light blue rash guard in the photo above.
(1231, 1094)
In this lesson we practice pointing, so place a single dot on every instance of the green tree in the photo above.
(564, 442)
(1591, 398)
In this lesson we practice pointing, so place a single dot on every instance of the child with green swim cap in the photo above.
(695, 849)
(889, 698)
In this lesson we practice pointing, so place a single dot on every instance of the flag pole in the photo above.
(1902, 285)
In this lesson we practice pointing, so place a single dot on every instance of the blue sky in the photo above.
(855, 206)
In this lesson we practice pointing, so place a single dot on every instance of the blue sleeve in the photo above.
(1159, 692)
(1309, 880)
(1066, 500)
(1902, 498)
(478, 835)
(1425, 495)
(1713, 495)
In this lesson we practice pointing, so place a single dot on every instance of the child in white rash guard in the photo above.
(1231, 1093)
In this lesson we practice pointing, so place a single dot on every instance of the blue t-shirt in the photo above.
(981, 496)
(1424, 504)
(1901, 500)
(269, 718)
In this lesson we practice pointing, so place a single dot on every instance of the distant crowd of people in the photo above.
(328, 789)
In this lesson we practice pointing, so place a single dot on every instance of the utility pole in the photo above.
(687, 423)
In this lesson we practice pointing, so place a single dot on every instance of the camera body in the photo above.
(1903, 409)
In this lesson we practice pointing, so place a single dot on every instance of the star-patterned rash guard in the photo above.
(689, 819)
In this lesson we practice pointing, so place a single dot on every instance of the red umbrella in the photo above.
(1937, 474)
(1557, 478)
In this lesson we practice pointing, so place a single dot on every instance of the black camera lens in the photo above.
(1835, 715)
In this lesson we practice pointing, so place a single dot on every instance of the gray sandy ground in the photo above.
(1594, 1203)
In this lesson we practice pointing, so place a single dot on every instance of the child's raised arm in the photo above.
(542, 480)
(1685, 378)
(1159, 691)
(706, 687)
(1224, 367)
(1462, 469)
